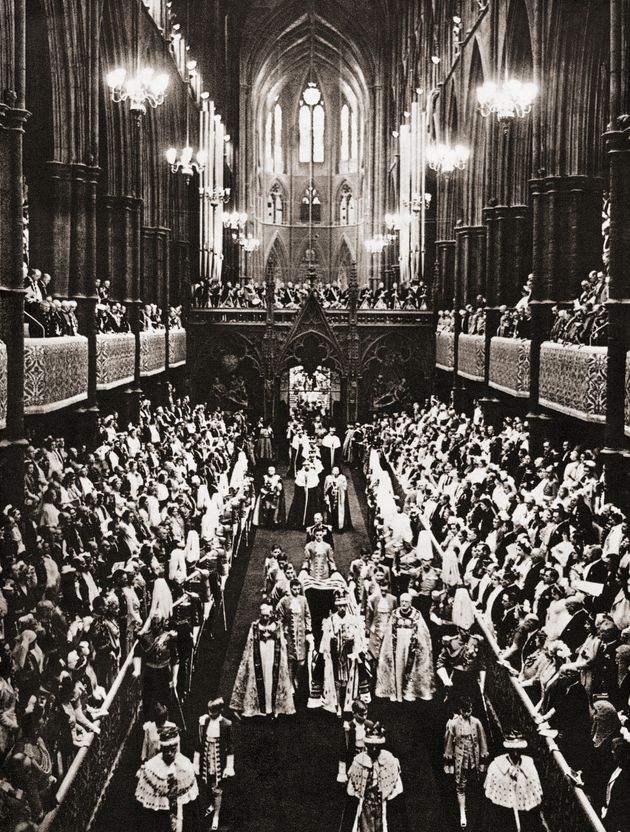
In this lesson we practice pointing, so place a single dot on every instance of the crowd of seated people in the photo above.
(586, 322)
(288, 295)
(44, 315)
(107, 543)
(545, 559)
(515, 322)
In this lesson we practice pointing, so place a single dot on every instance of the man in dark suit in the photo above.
(579, 626)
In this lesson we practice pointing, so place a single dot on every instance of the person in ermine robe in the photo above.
(263, 684)
(336, 500)
(306, 499)
(167, 792)
(331, 450)
(405, 664)
(374, 782)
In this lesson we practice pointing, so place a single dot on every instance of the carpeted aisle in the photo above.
(286, 770)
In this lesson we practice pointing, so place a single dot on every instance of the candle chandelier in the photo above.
(415, 203)
(146, 88)
(185, 161)
(249, 243)
(215, 195)
(397, 221)
(507, 99)
(234, 220)
(377, 244)
(445, 158)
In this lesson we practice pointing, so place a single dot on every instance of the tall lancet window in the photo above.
(345, 133)
(273, 140)
(349, 134)
(312, 126)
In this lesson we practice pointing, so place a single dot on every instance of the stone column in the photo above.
(13, 117)
(445, 273)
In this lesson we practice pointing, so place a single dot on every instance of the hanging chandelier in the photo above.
(182, 161)
(397, 221)
(234, 220)
(147, 87)
(445, 158)
(377, 244)
(508, 99)
(215, 195)
(415, 203)
(249, 243)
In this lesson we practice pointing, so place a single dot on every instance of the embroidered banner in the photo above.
(445, 350)
(55, 373)
(176, 347)
(509, 365)
(152, 352)
(115, 358)
(573, 380)
(471, 356)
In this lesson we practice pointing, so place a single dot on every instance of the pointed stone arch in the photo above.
(277, 259)
(342, 262)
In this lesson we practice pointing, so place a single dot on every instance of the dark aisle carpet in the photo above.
(286, 770)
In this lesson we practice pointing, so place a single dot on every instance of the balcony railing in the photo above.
(176, 347)
(152, 352)
(115, 359)
(509, 365)
(445, 350)
(55, 373)
(367, 317)
(3, 385)
(471, 356)
(573, 380)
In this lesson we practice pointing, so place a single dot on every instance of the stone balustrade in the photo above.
(115, 359)
(509, 365)
(573, 380)
(55, 373)
(152, 352)
(471, 356)
(445, 350)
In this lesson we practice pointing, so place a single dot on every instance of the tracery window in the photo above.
(347, 206)
(311, 205)
(312, 126)
(275, 205)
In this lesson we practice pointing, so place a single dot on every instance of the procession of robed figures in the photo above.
(327, 641)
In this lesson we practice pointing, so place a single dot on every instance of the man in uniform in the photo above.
(214, 761)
